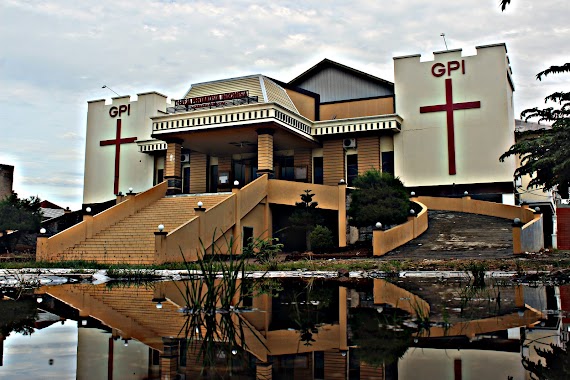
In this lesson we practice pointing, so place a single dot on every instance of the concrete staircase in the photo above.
(132, 239)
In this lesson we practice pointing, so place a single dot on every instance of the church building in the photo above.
(440, 127)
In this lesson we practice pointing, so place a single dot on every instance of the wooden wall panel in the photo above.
(172, 163)
(333, 162)
(368, 153)
(305, 104)
(357, 108)
(265, 152)
(335, 365)
(303, 157)
(198, 172)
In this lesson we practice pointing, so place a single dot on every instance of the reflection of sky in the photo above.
(27, 357)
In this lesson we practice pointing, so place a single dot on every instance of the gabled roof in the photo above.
(327, 63)
(266, 89)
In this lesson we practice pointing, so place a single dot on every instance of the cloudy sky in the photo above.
(56, 55)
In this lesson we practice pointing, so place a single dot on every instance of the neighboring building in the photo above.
(332, 122)
(535, 197)
(6, 180)
(50, 210)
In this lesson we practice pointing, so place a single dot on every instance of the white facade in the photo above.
(136, 169)
(482, 133)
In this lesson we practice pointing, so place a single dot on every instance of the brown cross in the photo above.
(117, 142)
(449, 107)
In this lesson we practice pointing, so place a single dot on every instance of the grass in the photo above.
(517, 264)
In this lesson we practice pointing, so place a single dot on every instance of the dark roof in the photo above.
(522, 126)
(327, 63)
(48, 204)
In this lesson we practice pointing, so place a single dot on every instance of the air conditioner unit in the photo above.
(185, 158)
(349, 143)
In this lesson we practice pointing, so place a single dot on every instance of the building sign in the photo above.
(211, 98)
(212, 101)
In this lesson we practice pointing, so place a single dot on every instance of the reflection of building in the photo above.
(149, 341)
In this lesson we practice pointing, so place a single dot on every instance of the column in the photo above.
(169, 359)
(172, 168)
(265, 151)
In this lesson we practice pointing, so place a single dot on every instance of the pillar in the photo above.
(236, 229)
(169, 359)
(265, 151)
(342, 214)
(172, 168)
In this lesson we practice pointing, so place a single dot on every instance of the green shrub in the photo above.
(379, 197)
(321, 239)
(264, 250)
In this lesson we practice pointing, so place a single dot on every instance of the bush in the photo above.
(379, 197)
(321, 239)
(264, 250)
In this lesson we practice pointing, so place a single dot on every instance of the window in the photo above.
(287, 168)
(318, 170)
(388, 162)
(186, 180)
(213, 179)
(351, 168)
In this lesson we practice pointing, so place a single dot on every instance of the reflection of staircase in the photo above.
(132, 239)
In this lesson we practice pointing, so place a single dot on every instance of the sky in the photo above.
(55, 55)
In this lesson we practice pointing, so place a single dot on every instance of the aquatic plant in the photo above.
(214, 325)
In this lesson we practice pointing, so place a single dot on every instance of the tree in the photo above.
(556, 364)
(379, 197)
(546, 156)
(20, 214)
(306, 216)
(23, 215)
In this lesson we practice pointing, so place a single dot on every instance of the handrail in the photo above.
(48, 248)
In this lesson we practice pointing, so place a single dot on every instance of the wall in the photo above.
(368, 153)
(6, 180)
(385, 241)
(421, 149)
(563, 224)
(333, 162)
(529, 237)
(305, 104)
(136, 169)
(357, 108)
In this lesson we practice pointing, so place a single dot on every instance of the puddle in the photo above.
(269, 328)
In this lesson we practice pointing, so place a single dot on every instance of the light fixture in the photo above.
(200, 204)
(42, 230)
(341, 182)
(412, 212)
(537, 209)
(465, 192)
(343, 353)
(378, 225)
(413, 193)
(39, 299)
(234, 352)
(236, 183)
(160, 227)
(159, 305)
(84, 322)
(517, 221)
(126, 342)
(88, 209)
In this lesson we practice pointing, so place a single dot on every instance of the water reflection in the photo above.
(305, 329)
